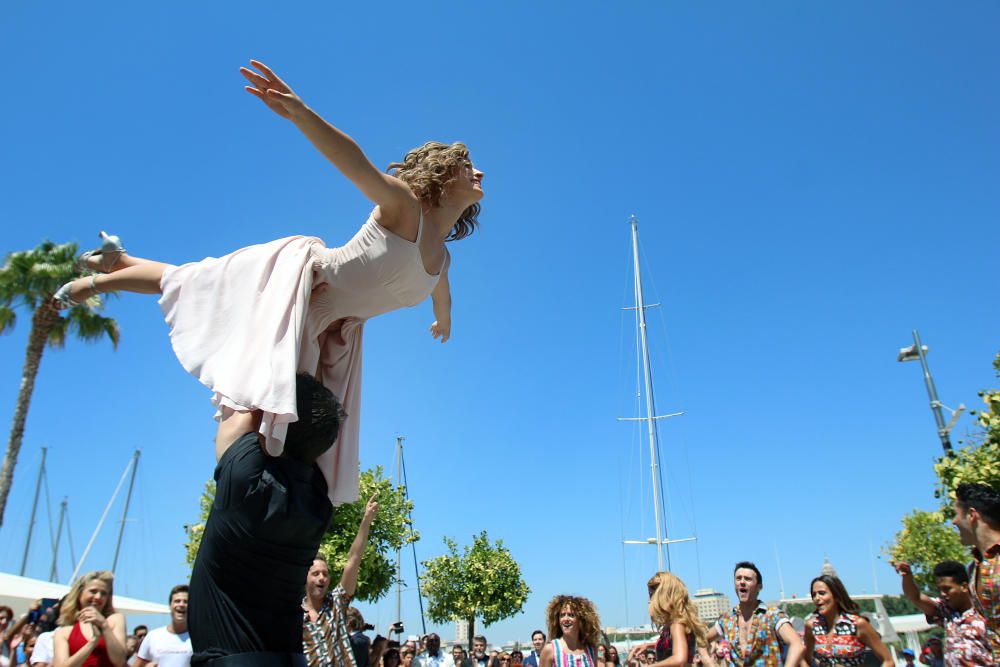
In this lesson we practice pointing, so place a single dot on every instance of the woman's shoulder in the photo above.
(858, 620)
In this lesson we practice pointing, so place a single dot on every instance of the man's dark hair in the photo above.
(319, 421)
(953, 569)
(354, 620)
(538, 632)
(982, 498)
(179, 588)
(136, 628)
(747, 565)
(479, 638)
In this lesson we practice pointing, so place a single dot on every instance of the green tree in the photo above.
(391, 529)
(483, 581)
(28, 279)
(927, 538)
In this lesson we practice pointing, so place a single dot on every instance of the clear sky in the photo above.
(812, 181)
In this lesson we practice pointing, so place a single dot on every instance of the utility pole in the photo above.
(919, 351)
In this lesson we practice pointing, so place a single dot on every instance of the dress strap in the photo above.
(420, 227)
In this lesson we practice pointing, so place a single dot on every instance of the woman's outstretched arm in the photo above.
(388, 192)
(441, 298)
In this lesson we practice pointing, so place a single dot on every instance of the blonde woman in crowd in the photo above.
(91, 632)
(575, 630)
(674, 614)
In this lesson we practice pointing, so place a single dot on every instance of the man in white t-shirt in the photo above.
(169, 646)
(43, 653)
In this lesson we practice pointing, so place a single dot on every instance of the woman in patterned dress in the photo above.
(837, 634)
(575, 630)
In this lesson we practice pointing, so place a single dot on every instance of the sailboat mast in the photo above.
(34, 507)
(399, 550)
(128, 500)
(648, 378)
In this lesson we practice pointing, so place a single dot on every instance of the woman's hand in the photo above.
(637, 651)
(94, 617)
(441, 330)
(271, 90)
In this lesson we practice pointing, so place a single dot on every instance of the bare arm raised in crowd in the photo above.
(912, 592)
(349, 580)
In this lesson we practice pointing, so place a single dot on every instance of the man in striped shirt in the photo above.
(326, 641)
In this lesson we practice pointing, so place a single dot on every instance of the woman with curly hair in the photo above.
(673, 612)
(244, 324)
(837, 634)
(575, 630)
(91, 633)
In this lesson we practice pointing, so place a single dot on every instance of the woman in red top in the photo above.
(92, 634)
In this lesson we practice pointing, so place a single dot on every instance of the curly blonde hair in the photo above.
(586, 617)
(70, 606)
(429, 170)
(669, 602)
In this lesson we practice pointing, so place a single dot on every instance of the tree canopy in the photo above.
(484, 581)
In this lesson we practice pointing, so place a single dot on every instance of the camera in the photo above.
(368, 626)
(397, 627)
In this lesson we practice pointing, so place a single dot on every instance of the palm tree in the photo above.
(28, 279)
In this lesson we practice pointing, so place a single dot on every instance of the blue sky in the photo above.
(812, 181)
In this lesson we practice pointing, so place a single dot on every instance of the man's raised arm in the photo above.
(349, 580)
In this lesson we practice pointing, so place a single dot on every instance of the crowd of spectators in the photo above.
(83, 629)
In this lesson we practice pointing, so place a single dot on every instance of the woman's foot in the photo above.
(75, 292)
(105, 259)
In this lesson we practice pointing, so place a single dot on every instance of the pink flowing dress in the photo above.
(246, 323)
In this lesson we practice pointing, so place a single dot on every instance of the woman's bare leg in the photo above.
(124, 261)
(142, 277)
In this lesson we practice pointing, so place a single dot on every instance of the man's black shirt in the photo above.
(262, 533)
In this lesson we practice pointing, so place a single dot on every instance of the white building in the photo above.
(462, 632)
(710, 604)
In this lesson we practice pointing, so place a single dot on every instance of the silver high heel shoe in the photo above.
(110, 252)
(63, 300)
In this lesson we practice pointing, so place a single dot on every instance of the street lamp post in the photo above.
(918, 351)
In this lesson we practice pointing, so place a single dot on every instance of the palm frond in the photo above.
(8, 318)
(89, 326)
(34, 275)
(57, 337)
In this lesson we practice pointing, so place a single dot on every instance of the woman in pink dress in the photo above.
(246, 323)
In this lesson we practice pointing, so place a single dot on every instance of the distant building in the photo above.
(828, 568)
(462, 632)
(710, 604)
